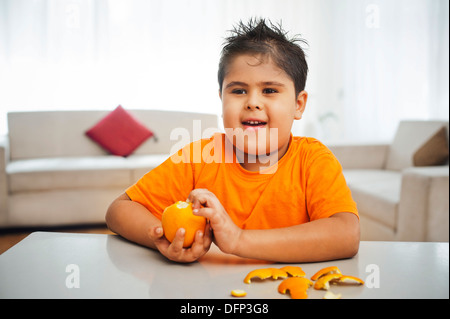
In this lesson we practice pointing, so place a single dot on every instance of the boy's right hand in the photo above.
(175, 251)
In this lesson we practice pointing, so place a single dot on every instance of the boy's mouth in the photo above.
(253, 124)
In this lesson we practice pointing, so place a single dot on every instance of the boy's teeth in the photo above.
(253, 122)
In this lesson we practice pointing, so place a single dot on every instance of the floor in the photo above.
(10, 237)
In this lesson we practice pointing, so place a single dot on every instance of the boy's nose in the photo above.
(251, 107)
(254, 102)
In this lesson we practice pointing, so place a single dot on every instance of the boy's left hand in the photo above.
(226, 233)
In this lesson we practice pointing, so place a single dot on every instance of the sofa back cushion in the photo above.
(62, 133)
(413, 138)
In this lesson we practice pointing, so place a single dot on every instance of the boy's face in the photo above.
(259, 102)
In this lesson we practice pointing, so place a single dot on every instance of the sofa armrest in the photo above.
(4, 155)
(423, 212)
(368, 156)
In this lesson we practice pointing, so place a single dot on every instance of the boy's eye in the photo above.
(239, 91)
(269, 91)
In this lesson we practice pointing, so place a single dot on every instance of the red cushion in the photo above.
(119, 132)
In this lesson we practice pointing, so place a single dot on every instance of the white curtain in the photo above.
(372, 63)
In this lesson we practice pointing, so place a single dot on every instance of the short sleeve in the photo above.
(164, 185)
(327, 191)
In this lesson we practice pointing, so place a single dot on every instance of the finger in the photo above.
(196, 205)
(192, 199)
(207, 237)
(200, 197)
(197, 249)
(176, 247)
(159, 240)
(155, 233)
(193, 194)
(208, 213)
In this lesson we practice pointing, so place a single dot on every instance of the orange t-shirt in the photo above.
(306, 184)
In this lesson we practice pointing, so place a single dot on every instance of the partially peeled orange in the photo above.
(179, 215)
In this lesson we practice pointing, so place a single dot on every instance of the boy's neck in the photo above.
(256, 163)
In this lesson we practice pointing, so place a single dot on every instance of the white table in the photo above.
(63, 265)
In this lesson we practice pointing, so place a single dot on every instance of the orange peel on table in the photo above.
(326, 271)
(294, 271)
(324, 281)
(298, 284)
(278, 273)
(238, 293)
(297, 287)
(264, 273)
(350, 280)
(330, 295)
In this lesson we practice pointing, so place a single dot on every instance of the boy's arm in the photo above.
(131, 220)
(330, 238)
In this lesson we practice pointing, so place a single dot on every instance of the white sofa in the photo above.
(396, 199)
(52, 174)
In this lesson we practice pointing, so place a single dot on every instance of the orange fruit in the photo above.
(179, 215)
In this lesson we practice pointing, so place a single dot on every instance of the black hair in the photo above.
(266, 38)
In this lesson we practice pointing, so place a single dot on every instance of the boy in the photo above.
(282, 198)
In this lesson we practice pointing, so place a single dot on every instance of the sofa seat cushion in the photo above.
(376, 192)
(78, 172)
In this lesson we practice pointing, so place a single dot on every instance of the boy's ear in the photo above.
(301, 105)
(220, 94)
